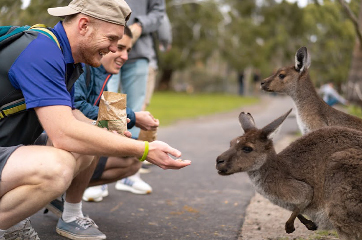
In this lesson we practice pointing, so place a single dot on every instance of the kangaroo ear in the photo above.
(270, 129)
(302, 59)
(246, 121)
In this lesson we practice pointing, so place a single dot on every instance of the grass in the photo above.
(170, 107)
(355, 110)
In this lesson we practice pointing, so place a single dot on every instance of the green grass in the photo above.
(170, 107)
(355, 110)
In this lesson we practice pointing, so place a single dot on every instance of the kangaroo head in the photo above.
(250, 151)
(285, 80)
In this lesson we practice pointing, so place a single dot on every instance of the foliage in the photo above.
(169, 107)
(333, 45)
(9, 12)
(195, 33)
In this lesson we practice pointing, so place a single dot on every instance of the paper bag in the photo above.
(112, 112)
(149, 136)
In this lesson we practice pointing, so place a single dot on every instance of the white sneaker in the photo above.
(96, 193)
(133, 184)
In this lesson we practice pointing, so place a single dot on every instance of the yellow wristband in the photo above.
(145, 153)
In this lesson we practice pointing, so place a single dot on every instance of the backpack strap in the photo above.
(44, 30)
(12, 108)
(7, 34)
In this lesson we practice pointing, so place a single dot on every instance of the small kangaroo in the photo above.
(312, 112)
(319, 174)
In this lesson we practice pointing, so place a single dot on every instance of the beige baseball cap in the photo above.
(113, 11)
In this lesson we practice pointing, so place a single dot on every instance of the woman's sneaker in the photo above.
(133, 184)
(96, 193)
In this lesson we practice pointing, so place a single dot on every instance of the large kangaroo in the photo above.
(312, 112)
(319, 175)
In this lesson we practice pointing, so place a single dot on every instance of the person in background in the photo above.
(162, 39)
(330, 95)
(31, 176)
(241, 83)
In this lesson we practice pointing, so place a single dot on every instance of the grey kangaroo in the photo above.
(319, 175)
(312, 112)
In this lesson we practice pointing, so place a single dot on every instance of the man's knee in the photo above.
(85, 161)
(134, 166)
(60, 171)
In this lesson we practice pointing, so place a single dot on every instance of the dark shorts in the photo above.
(100, 168)
(5, 153)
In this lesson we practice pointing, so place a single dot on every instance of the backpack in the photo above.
(9, 34)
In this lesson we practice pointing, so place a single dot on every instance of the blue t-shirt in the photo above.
(40, 71)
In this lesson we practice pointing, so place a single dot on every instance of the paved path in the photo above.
(191, 203)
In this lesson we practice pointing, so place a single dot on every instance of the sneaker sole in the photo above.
(93, 199)
(144, 170)
(54, 210)
(130, 189)
(75, 237)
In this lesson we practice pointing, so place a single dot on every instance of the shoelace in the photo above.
(30, 233)
(85, 222)
(26, 233)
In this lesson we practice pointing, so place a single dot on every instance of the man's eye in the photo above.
(247, 149)
(281, 76)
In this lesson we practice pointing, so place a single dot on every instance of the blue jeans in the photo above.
(133, 78)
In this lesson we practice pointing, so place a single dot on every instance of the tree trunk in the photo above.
(354, 87)
(165, 81)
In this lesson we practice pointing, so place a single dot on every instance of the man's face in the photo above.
(101, 39)
(113, 62)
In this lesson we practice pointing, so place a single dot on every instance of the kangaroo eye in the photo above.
(281, 76)
(247, 149)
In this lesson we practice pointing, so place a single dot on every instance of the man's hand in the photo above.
(159, 152)
(146, 121)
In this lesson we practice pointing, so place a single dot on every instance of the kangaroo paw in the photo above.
(289, 228)
(311, 226)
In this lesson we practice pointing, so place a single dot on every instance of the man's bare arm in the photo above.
(70, 134)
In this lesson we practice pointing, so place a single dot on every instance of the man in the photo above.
(88, 89)
(32, 176)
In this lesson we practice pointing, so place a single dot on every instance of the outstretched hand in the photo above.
(159, 154)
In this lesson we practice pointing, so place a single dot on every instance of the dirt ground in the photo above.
(265, 220)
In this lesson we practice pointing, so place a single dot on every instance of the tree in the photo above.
(9, 12)
(354, 89)
(195, 36)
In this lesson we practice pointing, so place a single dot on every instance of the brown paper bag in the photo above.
(112, 112)
(149, 136)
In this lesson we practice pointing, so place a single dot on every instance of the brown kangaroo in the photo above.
(319, 175)
(312, 112)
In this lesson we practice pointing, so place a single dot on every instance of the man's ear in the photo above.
(83, 25)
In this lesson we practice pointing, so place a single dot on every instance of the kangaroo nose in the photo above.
(219, 160)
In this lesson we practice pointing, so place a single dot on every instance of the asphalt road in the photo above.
(191, 203)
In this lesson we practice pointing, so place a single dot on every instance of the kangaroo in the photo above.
(318, 175)
(312, 112)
